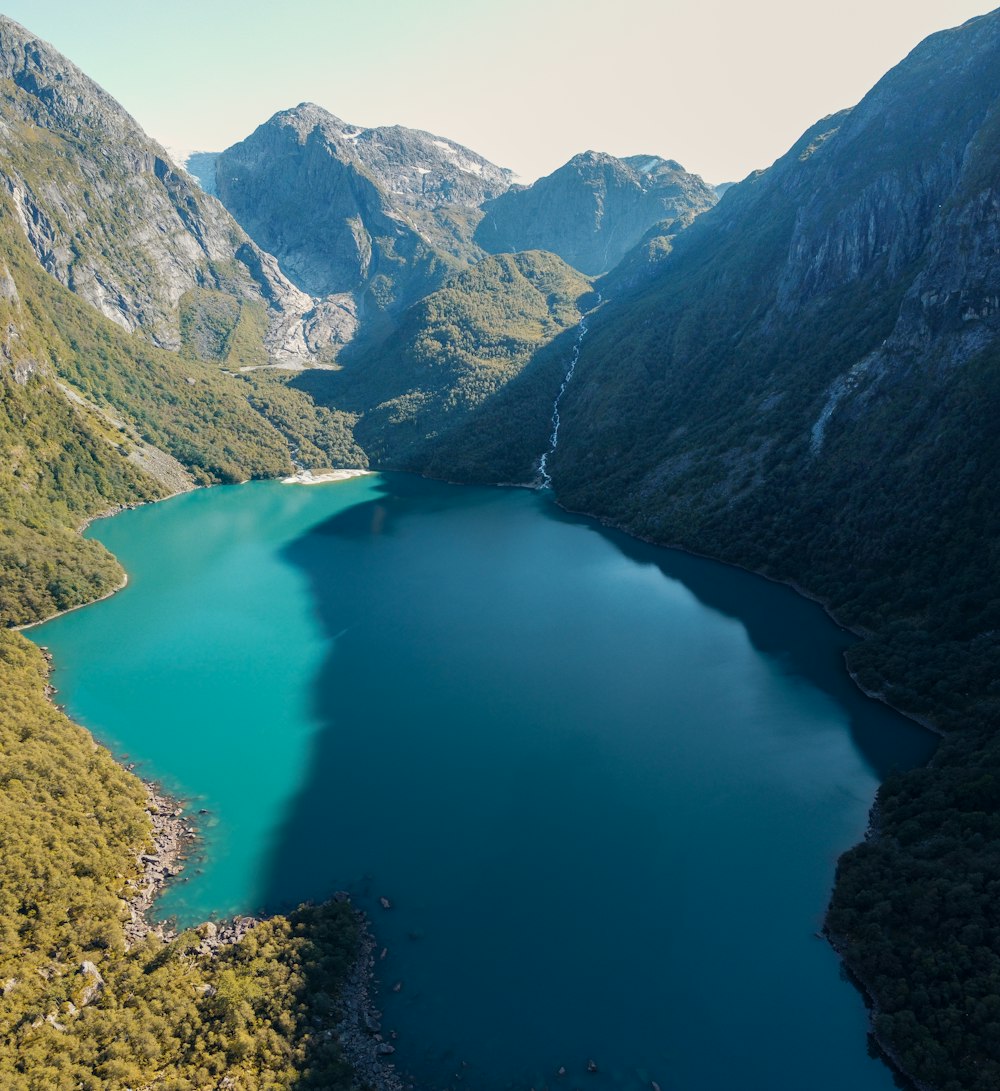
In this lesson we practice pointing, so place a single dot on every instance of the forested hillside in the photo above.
(81, 1009)
(802, 380)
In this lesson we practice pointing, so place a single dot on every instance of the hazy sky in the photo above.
(724, 86)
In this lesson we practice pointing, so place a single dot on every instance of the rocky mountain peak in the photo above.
(415, 168)
(62, 95)
(386, 211)
(594, 209)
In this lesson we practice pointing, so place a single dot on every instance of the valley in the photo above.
(796, 378)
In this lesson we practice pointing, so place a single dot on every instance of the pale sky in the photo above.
(723, 86)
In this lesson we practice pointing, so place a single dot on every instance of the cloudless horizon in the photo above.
(724, 88)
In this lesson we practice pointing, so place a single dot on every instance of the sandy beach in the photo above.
(307, 477)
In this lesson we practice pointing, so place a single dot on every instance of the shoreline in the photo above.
(174, 837)
(115, 509)
(357, 1026)
(889, 1057)
(71, 609)
(861, 634)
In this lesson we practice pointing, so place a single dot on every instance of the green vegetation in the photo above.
(91, 185)
(319, 436)
(697, 419)
(916, 913)
(220, 326)
(689, 423)
(189, 409)
(54, 472)
(454, 351)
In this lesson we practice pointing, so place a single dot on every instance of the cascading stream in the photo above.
(546, 481)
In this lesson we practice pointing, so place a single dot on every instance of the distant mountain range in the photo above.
(393, 212)
(800, 378)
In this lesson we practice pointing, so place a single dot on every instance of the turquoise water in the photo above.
(604, 785)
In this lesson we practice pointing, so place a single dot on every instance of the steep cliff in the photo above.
(594, 209)
(110, 217)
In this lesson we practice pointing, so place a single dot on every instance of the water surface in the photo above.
(603, 785)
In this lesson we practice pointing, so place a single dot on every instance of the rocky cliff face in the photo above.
(386, 212)
(594, 209)
(109, 216)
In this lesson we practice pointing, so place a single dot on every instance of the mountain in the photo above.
(454, 351)
(807, 386)
(386, 212)
(803, 381)
(110, 217)
(594, 209)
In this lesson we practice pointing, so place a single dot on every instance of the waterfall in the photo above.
(546, 480)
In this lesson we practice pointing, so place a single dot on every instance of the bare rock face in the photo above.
(94, 985)
(594, 209)
(419, 169)
(386, 212)
(108, 214)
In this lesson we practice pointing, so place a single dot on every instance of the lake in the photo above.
(604, 785)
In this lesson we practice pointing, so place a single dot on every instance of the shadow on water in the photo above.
(789, 628)
(365, 711)
(352, 699)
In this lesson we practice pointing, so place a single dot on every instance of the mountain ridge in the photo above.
(801, 380)
(592, 210)
(803, 386)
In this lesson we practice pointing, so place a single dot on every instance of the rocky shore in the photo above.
(173, 839)
(359, 1028)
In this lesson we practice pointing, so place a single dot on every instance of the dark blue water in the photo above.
(603, 785)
